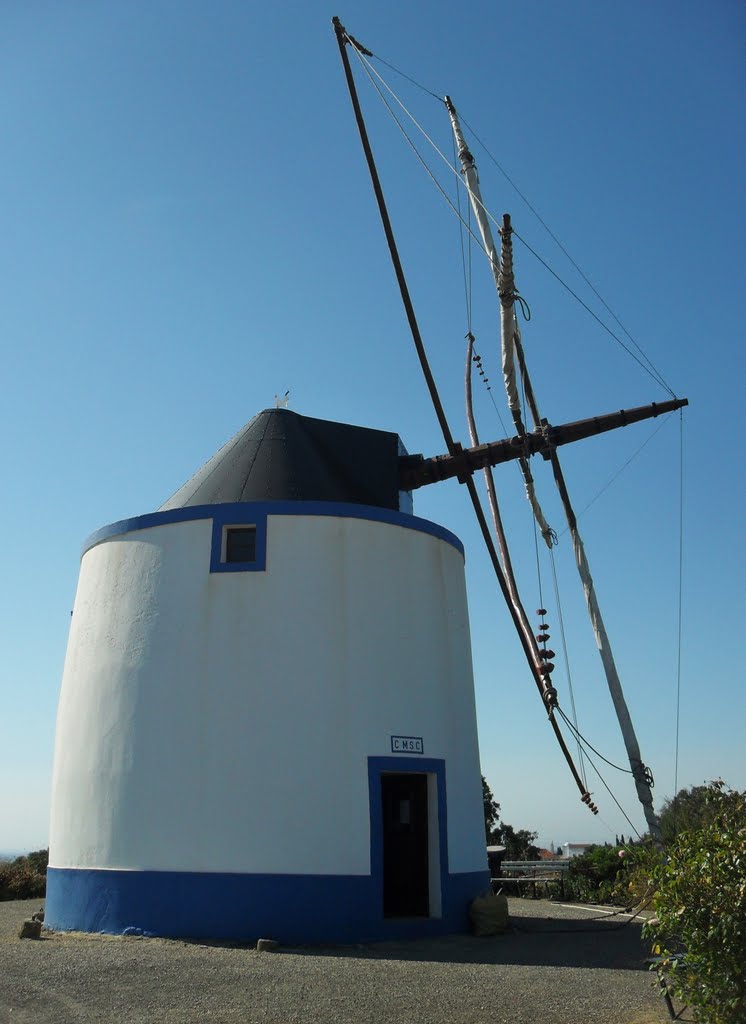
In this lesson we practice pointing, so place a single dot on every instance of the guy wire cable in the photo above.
(680, 603)
(649, 368)
(343, 39)
(563, 638)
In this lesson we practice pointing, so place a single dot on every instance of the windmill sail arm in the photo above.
(641, 775)
(471, 177)
(416, 471)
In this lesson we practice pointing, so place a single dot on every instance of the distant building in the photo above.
(576, 849)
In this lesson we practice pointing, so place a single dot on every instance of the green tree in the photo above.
(491, 809)
(518, 843)
(700, 905)
(690, 809)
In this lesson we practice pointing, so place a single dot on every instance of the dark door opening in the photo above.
(406, 883)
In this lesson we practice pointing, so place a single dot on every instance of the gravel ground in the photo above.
(557, 965)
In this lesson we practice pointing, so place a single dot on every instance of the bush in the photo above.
(700, 905)
(593, 876)
(635, 885)
(25, 877)
(38, 861)
(690, 809)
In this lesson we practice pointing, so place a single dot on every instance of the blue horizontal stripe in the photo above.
(257, 511)
(294, 909)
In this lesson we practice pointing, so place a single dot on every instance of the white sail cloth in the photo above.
(504, 280)
(508, 322)
(475, 196)
(615, 686)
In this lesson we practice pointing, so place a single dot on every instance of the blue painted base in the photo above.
(294, 909)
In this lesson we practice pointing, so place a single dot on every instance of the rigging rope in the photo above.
(647, 365)
(453, 448)
(581, 738)
(584, 929)
(658, 377)
(408, 78)
(649, 368)
(538, 564)
(566, 253)
(608, 790)
(466, 273)
(681, 578)
(547, 532)
(618, 473)
(548, 693)
(502, 543)
(651, 373)
(343, 39)
(489, 480)
(641, 774)
(368, 69)
(502, 272)
(563, 638)
(656, 374)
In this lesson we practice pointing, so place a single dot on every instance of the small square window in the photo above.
(240, 544)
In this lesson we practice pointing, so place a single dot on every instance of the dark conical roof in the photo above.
(282, 456)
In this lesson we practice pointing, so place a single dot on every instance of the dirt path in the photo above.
(557, 966)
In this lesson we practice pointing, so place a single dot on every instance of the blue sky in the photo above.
(188, 229)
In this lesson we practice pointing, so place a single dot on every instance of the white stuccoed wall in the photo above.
(223, 721)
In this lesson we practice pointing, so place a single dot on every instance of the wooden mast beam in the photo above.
(416, 471)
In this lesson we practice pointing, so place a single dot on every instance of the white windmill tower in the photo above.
(267, 721)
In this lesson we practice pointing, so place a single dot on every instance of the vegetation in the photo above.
(593, 877)
(491, 809)
(689, 810)
(700, 903)
(696, 886)
(518, 843)
(618, 874)
(24, 878)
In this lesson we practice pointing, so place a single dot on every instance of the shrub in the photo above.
(592, 877)
(25, 877)
(20, 882)
(38, 861)
(700, 905)
(635, 883)
(690, 809)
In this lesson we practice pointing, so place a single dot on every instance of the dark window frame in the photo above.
(235, 546)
